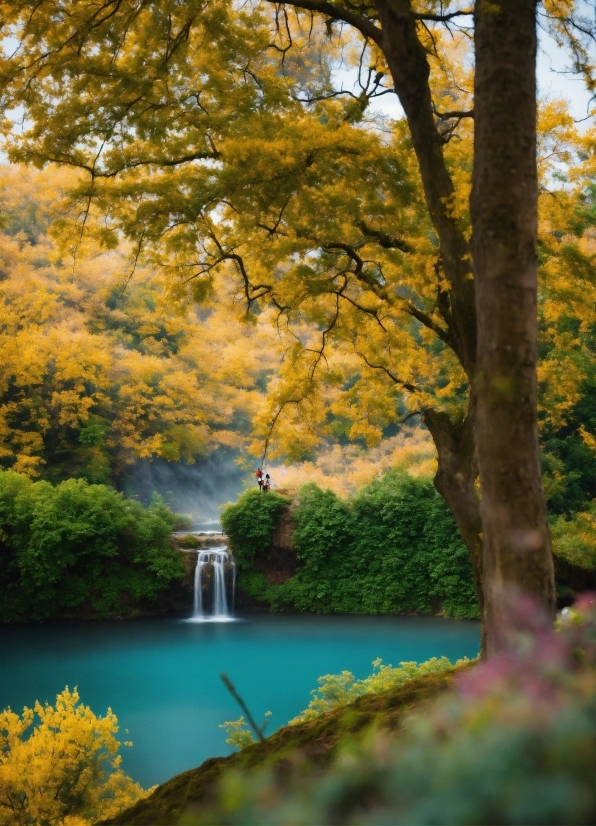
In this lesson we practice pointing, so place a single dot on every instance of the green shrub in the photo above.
(77, 545)
(323, 527)
(249, 524)
(255, 585)
(337, 690)
(189, 542)
(239, 734)
(575, 539)
(393, 548)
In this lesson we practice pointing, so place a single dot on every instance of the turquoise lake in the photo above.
(161, 677)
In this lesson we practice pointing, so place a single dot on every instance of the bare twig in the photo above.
(405, 384)
(258, 730)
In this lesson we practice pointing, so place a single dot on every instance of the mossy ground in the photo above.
(316, 741)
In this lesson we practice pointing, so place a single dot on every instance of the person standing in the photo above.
(259, 475)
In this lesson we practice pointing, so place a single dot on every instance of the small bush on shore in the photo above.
(249, 524)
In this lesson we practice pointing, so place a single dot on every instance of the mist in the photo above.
(198, 490)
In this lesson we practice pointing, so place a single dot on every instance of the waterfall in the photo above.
(219, 559)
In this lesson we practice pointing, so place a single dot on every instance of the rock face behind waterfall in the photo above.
(175, 600)
(280, 563)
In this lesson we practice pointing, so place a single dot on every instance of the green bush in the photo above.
(393, 548)
(574, 539)
(79, 545)
(189, 542)
(336, 690)
(249, 524)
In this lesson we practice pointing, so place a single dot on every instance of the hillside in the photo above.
(316, 741)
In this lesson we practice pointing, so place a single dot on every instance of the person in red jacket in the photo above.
(259, 476)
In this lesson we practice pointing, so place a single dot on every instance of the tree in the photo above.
(65, 770)
(82, 549)
(516, 544)
(97, 374)
(215, 139)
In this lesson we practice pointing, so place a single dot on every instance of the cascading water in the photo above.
(221, 561)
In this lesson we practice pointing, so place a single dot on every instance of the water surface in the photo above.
(161, 677)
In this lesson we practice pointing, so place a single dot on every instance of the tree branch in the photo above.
(466, 113)
(384, 240)
(425, 319)
(361, 274)
(373, 313)
(442, 18)
(405, 384)
(364, 26)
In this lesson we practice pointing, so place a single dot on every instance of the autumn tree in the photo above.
(218, 138)
(97, 373)
(60, 764)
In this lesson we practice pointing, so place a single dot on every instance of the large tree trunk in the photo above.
(516, 547)
(455, 480)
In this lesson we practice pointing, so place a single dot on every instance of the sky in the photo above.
(554, 82)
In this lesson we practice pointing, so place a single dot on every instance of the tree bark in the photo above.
(455, 480)
(410, 70)
(517, 555)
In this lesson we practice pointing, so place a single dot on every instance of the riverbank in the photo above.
(508, 740)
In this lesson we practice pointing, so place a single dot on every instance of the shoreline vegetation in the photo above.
(317, 739)
(80, 551)
(391, 548)
(509, 740)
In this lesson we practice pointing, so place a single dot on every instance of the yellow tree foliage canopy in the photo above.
(60, 765)
(97, 371)
(223, 142)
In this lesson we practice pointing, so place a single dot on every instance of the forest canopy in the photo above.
(98, 372)
(305, 199)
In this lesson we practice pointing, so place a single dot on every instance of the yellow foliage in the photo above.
(246, 172)
(59, 765)
(105, 368)
(575, 539)
(345, 470)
